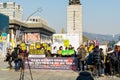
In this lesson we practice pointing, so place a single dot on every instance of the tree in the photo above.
(62, 31)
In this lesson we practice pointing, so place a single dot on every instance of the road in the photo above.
(6, 74)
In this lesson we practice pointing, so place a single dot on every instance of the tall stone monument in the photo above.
(74, 18)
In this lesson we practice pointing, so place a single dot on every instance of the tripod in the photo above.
(22, 71)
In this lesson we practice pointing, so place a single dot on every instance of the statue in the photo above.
(74, 2)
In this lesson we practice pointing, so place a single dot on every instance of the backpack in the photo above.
(96, 58)
(113, 58)
(89, 59)
(14, 55)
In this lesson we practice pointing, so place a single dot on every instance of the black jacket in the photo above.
(85, 76)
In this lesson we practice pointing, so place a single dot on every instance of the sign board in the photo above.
(32, 37)
(59, 38)
(65, 40)
(4, 34)
(37, 44)
(50, 63)
(45, 44)
(31, 46)
(4, 37)
(37, 51)
(36, 56)
(73, 40)
(67, 52)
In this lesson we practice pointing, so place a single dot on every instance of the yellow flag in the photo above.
(13, 43)
(48, 48)
(23, 45)
(91, 48)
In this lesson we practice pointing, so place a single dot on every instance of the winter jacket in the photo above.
(89, 59)
(85, 76)
(82, 53)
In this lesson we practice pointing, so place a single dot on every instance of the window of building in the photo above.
(14, 4)
(14, 14)
(18, 6)
(36, 20)
(4, 5)
(30, 19)
(33, 19)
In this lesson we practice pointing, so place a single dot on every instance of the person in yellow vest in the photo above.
(60, 51)
(48, 53)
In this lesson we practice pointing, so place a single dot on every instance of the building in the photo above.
(31, 31)
(24, 30)
(37, 26)
(4, 23)
(74, 18)
(4, 30)
(11, 9)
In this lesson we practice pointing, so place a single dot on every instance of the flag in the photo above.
(96, 42)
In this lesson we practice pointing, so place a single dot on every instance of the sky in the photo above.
(99, 16)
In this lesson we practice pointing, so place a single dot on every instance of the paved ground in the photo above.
(6, 74)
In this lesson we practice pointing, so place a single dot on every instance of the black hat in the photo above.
(15, 48)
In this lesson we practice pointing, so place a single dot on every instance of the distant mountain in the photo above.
(85, 38)
(99, 37)
(117, 37)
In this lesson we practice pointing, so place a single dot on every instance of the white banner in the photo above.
(71, 39)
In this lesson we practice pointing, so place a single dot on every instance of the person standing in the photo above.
(17, 58)
(102, 62)
(116, 53)
(9, 58)
(117, 63)
(81, 56)
(110, 62)
(97, 60)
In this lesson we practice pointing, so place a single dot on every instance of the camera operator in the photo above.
(9, 58)
(17, 57)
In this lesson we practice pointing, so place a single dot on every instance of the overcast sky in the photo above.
(99, 16)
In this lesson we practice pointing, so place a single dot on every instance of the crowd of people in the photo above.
(88, 58)
(17, 56)
(98, 62)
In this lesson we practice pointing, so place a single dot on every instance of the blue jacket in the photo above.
(89, 59)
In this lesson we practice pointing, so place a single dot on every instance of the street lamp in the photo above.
(22, 73)
(38, 10)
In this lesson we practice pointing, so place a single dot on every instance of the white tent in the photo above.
(117, 44)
